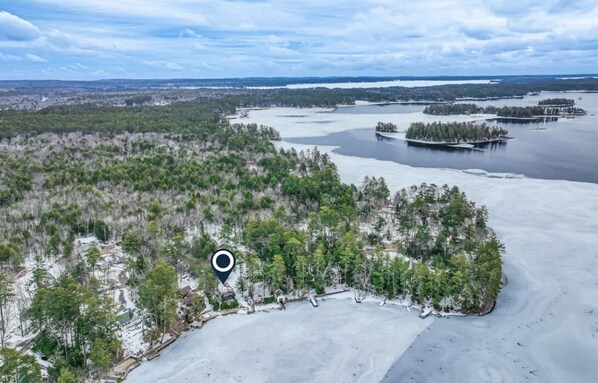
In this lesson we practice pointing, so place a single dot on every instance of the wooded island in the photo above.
(455, 132)
(387, 127)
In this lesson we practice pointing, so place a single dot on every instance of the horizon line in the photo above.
(310, 77)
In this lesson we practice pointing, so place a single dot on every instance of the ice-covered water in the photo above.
(338, 341)
(563, 149)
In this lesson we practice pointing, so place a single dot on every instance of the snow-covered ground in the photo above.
(338, 341)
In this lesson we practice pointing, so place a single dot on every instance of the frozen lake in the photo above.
(338, 341)
(563, 149)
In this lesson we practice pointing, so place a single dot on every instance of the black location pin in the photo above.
(223, 262)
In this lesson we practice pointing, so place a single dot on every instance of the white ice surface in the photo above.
(339, 341)
(313, 122)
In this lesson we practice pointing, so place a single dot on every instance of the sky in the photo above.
(100, 39)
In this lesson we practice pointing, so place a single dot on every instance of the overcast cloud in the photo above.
(93, 39)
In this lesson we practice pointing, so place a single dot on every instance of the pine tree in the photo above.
(17, 367)
(158, 293)
(276, 272)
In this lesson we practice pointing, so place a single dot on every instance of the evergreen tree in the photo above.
(18, 368)
(158, 293)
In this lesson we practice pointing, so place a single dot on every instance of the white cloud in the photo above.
(14, 28)
(35, 58)
(8, 57)
(188, 33)
(282, 51)
(76, 67)
(164, 65)
(175, 10)
(311, 37)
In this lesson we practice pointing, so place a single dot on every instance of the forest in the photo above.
(455, 132)
(159, 188)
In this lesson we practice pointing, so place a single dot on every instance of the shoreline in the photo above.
(538, 296)
(446, 144)
(321, 321)
(130, 363)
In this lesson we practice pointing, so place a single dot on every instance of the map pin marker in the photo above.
(223, 262)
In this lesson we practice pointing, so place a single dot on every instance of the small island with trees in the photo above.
(386, 127)
(454, 133)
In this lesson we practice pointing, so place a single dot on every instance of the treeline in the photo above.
(321, 97)
(449, 109)
(332, 97)
(199, 119)
(262, 131)
(533, 111)
(504, 111)
(519, 111)
(445, 267)
(454, 132)
(387, 127)
(552, 107)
